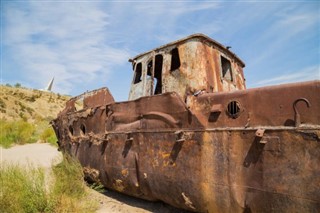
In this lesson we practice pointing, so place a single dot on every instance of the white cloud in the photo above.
(61, 39)
(306, 74)
(176, 8)
(159, 21)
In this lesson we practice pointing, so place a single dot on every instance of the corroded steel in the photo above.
(199, 140)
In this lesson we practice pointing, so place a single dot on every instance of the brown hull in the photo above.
(263, 155)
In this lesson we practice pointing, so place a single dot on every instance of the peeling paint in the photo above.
(187, 201)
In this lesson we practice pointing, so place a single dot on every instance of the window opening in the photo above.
(226, 69)
(83, 129)
(158, 74)
(138, 73)
(149, 70)
(175, 59)
(71, 130)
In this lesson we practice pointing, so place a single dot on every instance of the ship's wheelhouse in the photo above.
(188, 66)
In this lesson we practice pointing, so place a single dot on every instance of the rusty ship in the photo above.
(192, 135)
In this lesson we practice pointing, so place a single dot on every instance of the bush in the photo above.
(69, 169)
(19, 132)
(23, 190)
(70, 188)
(17, 85)
(22, 132)
(27, 190)
(49, 136)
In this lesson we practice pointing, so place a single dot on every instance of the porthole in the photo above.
(83, 129)
(234, 109)
(71, 130)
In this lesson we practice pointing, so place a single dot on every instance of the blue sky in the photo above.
(86, 45)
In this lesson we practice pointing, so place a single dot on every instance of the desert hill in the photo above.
(29, 104)
(25, 115)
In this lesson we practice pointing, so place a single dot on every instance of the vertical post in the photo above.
(152, 72)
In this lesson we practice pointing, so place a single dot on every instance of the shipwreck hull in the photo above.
(254, 150)
(215, 170)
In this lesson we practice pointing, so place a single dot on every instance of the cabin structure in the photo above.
(188, 66)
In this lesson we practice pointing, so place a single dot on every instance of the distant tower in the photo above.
(49, 87)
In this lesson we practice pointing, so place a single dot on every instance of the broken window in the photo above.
(226, 69)
(138, 73)
(149, 69)
(82, 129)
(158, 74)
(175, 59)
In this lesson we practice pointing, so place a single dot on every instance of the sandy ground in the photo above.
(45, 155)
(37, 154)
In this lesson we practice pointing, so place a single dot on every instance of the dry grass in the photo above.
(27, 189)
(29, 104)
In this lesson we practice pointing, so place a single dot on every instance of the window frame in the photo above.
(175, 57)
(223, 75)
(135, 80)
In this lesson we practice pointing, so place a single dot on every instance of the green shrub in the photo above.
(69, 169)
(22, 132)
(70, 188)
(27, 189)
(48, 135)
(19, 132)
(17, 85)
(23, 190)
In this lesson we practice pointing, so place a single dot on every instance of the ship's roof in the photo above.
(199, 36)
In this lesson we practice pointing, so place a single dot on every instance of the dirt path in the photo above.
(37, 154)
(114, 202)
(45, 155)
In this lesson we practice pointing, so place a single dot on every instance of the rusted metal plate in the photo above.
(203, 149)
(267, 106)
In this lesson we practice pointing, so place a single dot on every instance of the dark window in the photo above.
(158, 74)
(226, 69)
(138, 73)
(175, 59)
(83, 129)
(71, 130)
(149, 69)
